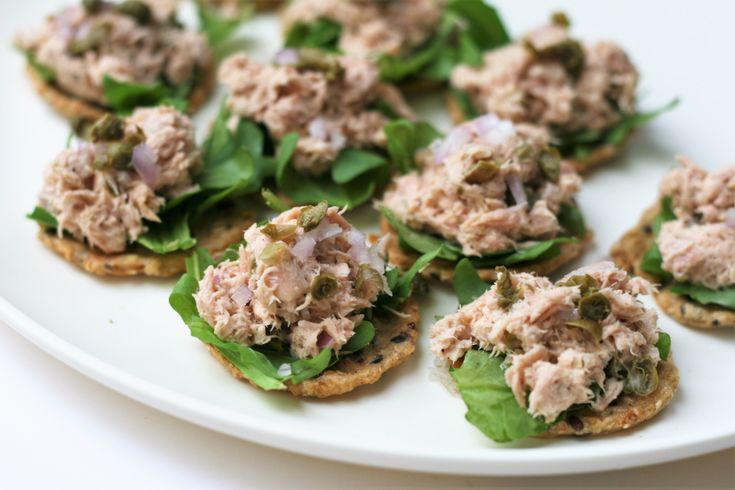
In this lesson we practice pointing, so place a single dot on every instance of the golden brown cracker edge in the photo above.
(75, 108)
(394, 342)
(628, 253)
(627, 411)
(443, 270)
(599, 155)
(215, 234)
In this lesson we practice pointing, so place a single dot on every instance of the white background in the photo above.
(60, 430)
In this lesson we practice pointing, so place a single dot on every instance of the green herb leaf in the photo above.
(652, 261)
(352, 163)
(663, 345)
(124, 97)
(405, 138)
(703, 295)
(273, 201)
(484, 25)
(364, 334)
(571, 219)
(422, 242)
(467, 283)
(323, 33)
(46, 73)
(403, 284)
(217, 27)
(237, 170)
(464, 101)
(491, 406)
(170, 235)
(43, 217)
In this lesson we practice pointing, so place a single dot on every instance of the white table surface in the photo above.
(59, 429)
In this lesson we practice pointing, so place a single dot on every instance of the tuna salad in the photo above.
(97, 51)
(695, 234)
(301, 292)
(410, 39)
(581, 92)
(107, 190)
(490, 187)
(556, 348)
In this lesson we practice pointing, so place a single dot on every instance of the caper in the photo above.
(324, 286)
(274, 253)
(92, 6)
(567, 52)
(117, 155)
(311, 216)
(317, 60)
(525, 150)
(93, 40)
(140, 11)
(507, 293)
(560, 19)
(591, 326)
(368, 282)
(594, 306)
(278, 231)
(108, 128)
(481, 172)
(549, 161)
(586, 283)
(642, 378)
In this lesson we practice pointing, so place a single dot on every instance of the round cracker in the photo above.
(214, 234)
(394, 342)
(72, 107)
(443, 270)
(628, 253)
(599, 155)
(626, 412)
(267, 5)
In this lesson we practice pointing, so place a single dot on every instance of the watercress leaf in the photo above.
(617, 134)
(663, 345)
(217, 27)
(537, 252)
(571, 219)
(170, 235)
(467, 283)
(468, 52)
(303, 369)
(421, 242)
(652, 261)
(237, 170)
(273, 201)
(351, 163)
(123, 97)
(491, 405)
(43, 217)
(46, 73)
(404, 285)
(483, 23)
(405, 138)
(285, 152)
(722, 297)
(323, 33)
(364, 334)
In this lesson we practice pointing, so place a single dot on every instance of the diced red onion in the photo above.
(337, 139)
(376, 254)
(242, 295)
(324, 340)
(303, 249)
(730, 217)
(358, 246)
(288, 56)
(318, 128)
(516, 189)
(324, 231)
(457, 137)
(492, 130)
(144, 162)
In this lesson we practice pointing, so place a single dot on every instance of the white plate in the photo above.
(123, 334)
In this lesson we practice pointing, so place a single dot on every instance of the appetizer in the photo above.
(493, 191)
(122, 198)
(304, 304)
(318, 122)
(99, 56)
(584, 93)
(534, 358)
(415, 42)
(685, 243)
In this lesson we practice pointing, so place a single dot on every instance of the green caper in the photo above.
(594, 306)
(642, 378)
(321, 61)
(107, 128)
(323, 286)
(560, 19)
(507, 293)
(549, 161)
(481, 172)
(567, 52)
(117, 155)
(274, 253)
(92, 6)
(93, 40)
(278, 231)
(591, 326)
(140, 11)
(311, 216)
(525, 150)
(586, 283)
(368, 282)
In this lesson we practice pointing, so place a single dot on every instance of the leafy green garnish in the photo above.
(464, 101)
(722, 297)
(422, 242)
(580, 145)
(663, 345)
(652, 261)
(273, 201)
(46, 73)
(405, 138)
(124, 97)
(170, 235)
(491, 406)
(402, 285)
(467, 283)
(352, 163)
(323, 33)
(43, 217)
(217, 27)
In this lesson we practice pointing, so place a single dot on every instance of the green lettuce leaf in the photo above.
(323, 33)
(467, 283)
(422, 242)
(405, 138)
(491, 406)
(124, 97)
(43, 217)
